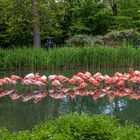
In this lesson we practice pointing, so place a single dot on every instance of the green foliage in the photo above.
(102, 22)
(116, 38)
(51, 14)
(98, 56)
(23, 58)
(77, 127)
(123, 22)
(79, 40)
(16, 22)
(61, 20)
(129, 9)
(89, 17)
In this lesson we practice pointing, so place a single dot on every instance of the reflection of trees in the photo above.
(113, 107)
(80, 104)
(54, 107)
(116, 106)
(132, 111)
(18, 115)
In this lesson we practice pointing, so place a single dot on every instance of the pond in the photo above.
(17, 115)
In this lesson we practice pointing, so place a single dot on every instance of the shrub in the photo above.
(77, 127)
(122, 23)
(116, 38)
(79, 40)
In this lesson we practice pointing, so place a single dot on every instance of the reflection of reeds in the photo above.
(69, 57)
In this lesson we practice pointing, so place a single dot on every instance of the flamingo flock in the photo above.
(80, 84)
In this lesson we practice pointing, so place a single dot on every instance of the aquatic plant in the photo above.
(69, 57)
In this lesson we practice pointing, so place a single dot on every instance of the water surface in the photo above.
(17, 115)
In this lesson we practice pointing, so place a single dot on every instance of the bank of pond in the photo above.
(69, 57)
(77, 127)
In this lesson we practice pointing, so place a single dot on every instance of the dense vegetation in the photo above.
(113, 39)
(69, 57)
(58, 21)
(83, 26)
(76, 127)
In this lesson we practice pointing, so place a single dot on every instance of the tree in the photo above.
(27, 22)
(112, 4)
(130, 9)
(51, 15)
(86, 17)
(36, 25)
(126, 15)
(15, 18)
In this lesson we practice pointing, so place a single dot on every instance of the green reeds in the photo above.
(69, 57)
(23, 58)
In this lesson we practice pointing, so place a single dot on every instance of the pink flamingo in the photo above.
(86, 75)
(80, 74)
(30, 76)
(56, 83)
(15, 77)
(120, 83)
(52, 77)
(39, 83)
(27, 82)
(83, 85)
(62, 78)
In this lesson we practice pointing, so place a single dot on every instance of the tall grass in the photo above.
(67, 57)
(23, 58)
(97, 56)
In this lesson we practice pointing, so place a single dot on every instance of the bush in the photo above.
(116, 38)
(77, 127)
(122, 23)
(137, 24)
(79, 40)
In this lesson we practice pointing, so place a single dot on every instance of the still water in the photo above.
(17, 115)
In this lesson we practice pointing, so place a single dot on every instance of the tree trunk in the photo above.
(36, 26)
(114, 7)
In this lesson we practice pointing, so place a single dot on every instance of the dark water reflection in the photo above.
(17, 115)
